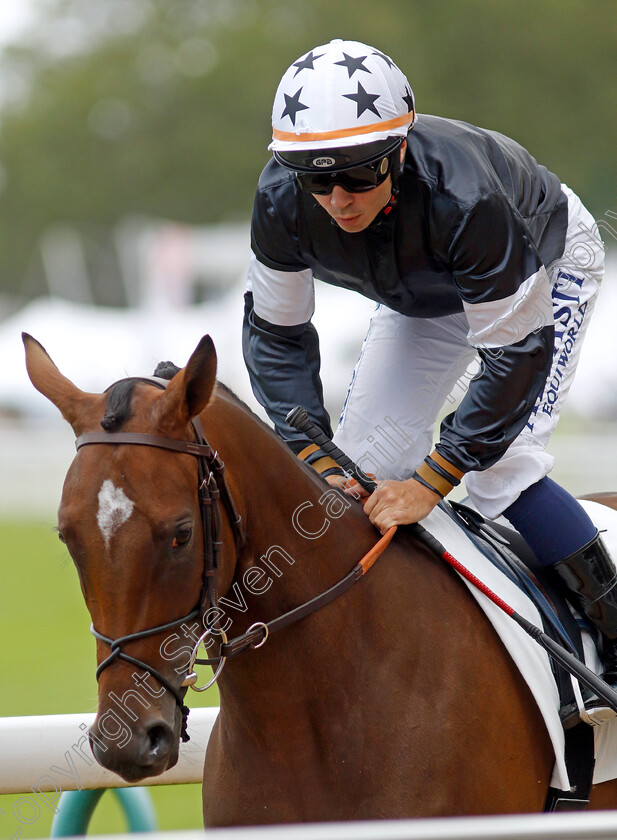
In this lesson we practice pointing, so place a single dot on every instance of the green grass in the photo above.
(47, 666)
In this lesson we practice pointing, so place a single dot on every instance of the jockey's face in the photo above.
(354, 211)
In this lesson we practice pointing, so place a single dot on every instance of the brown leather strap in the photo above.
(218, 466)
(187, 446)
(256, 635)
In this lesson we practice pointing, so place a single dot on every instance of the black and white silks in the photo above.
(476, 222)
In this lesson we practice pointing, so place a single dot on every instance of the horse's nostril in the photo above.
(159, 741)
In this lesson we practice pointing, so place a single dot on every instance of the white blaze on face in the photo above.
(115, 508)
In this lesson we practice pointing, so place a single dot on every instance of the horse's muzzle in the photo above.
(145, 750)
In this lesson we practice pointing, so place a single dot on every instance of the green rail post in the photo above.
(76, 807)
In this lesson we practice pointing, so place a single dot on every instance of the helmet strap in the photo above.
(395, 171)
(391, 203)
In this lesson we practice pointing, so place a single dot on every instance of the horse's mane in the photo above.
(167, 370)
(227, 392)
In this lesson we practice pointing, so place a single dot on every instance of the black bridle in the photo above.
(212, 487)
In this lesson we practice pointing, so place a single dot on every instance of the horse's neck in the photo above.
(303, 535)
(285, 501)
(309, 679)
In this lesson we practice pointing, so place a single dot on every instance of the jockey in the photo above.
(484, 268)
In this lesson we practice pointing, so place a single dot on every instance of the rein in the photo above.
(257, 633)
(211, 489)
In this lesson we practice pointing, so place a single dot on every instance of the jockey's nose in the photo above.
(340, 197)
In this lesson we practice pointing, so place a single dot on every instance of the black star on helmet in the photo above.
(408, 99)
(306, 63)
(352, 64)
(388, 61)
(292, 106)
(365, 101)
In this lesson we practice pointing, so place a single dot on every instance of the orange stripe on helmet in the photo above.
(342, 132)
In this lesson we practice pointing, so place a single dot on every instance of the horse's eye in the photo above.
(61, 536)
(182, 536)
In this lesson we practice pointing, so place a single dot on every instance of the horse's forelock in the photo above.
(118, 409)
(119, 398)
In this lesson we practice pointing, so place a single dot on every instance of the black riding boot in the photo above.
(591, 580)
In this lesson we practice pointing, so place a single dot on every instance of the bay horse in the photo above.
(395, 700)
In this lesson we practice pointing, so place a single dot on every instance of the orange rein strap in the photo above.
(377, 550)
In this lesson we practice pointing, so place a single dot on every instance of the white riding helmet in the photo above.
(343, 94)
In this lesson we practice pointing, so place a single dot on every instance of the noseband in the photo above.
(211, 487)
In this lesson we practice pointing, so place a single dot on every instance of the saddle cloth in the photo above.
(530, 658)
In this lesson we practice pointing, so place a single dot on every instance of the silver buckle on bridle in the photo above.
(191, 677)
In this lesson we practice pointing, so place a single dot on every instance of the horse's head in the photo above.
(130, 517)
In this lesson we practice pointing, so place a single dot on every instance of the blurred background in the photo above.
(132, 135)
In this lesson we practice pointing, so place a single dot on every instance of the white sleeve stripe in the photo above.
(500, 323)
(285, 298)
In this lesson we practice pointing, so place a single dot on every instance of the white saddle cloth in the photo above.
(531, 659)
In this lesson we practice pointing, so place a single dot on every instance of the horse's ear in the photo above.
(73, 403)
(191, 389)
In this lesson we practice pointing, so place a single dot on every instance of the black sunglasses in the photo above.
(356, 179)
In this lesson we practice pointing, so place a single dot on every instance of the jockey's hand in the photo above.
(348, 485)
(399, 503)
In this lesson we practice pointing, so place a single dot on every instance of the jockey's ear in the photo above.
(191, 389)
(75, 405)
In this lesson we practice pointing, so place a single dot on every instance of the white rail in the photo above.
(52, 753)
(49, 754)
(599, 825)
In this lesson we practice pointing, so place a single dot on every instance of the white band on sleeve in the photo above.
(500, 323)
(285, 298)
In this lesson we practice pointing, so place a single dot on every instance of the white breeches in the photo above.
(409, 368)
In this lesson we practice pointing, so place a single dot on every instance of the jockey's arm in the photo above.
(506, 297)
(281, 352)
